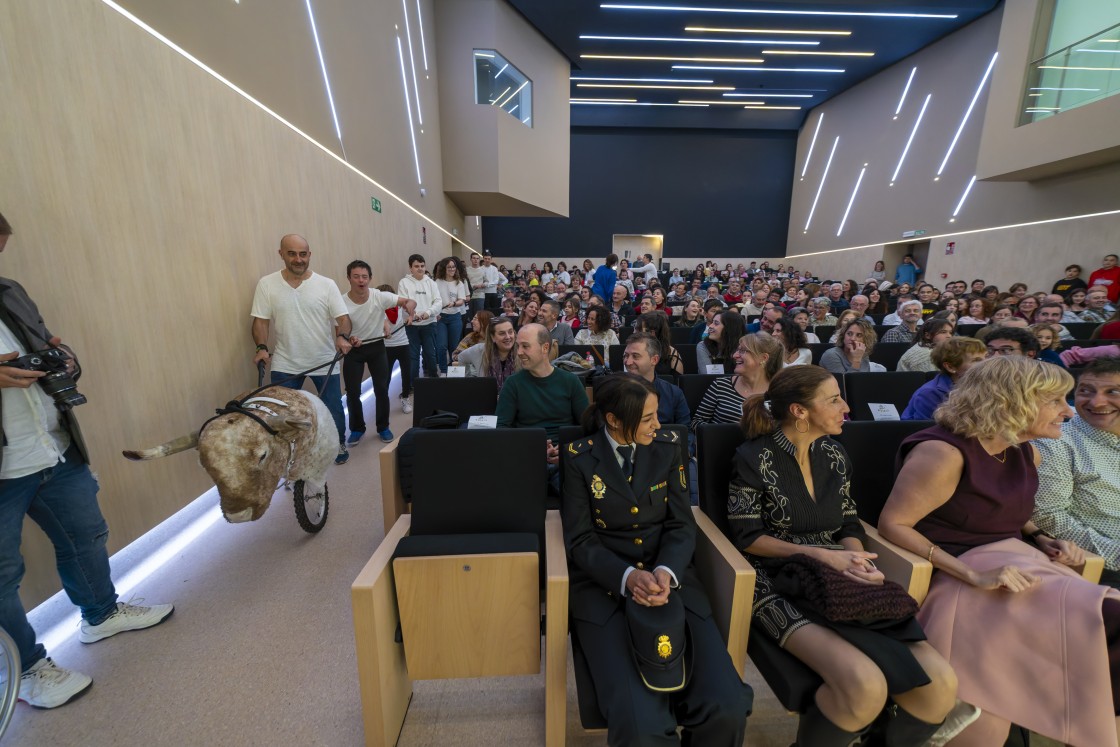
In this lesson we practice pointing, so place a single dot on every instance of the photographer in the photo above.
(44, 474)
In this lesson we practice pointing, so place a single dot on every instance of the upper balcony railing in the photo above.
(1079, 74)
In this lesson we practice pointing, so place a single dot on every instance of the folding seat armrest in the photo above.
(392, 499)
(729, 580)
(911, 572)
(1093, 568)
(556, 630)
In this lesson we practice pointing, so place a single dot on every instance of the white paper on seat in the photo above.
(482, 421)
(456, 372)
(883, 411)
(715, 368)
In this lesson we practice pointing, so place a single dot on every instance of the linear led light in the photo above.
(501, 71)
(326, 80)
(803, 32)
(819, 54)
(423, 45)
(483, 54)
(1039, 88)
(962, 233)
(412, 63)
(408, 108)
(855, 191)
(613, 101)
(636, 85)
(511, 111)
(1068, 67)
(1043, 109)
(696, 40)
(964, 197)
(905, 90)
(1034, 94)
(910, 139)
(648, 58)
(632, 103)
(245, 95)
(646, 80)
(820, 187)
(967, 113)
(764, 95)
(762, 69)
(767, 106)
(1108, 41)
(772, 11)
(1099, 51)
(717, 103)
(813, 142)
(510, 97)
(503, 93)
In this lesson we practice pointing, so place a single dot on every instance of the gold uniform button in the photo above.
(598, 511)
(637, 540)
(633, 509)
(633, 526)
(640, 567)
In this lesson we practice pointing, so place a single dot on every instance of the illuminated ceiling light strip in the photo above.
(1039, 88)
(408, 108)
(803, 32)
(764, 95)
(655, 58)
(964, 196)
(1047, 109)
(639, 85)
(1068, 67)
(412, 63)
(773, 11)
(423, 44)
(818, 54)
(812, 143)
(762, 69)
(613, 101)
(245, 95)
(1099, 51)
(483, 54)
(820, 187)
(326, 80)
(501, 71)
(767, 106)
(905, 90)
(1034, 94)
(1108, 41)
(696, 40)
(645, 80)
(880, 244)
(638, 103)
(717, 103)
(967, 113)
(852, 199)
(503, 93)
(510, 97)
(910, 139)
(511, 111)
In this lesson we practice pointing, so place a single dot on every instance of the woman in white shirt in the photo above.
(596, 328)
(562, 273)
(455, 294)
(795, 348)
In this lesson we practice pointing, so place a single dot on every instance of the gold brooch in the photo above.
(664, 647)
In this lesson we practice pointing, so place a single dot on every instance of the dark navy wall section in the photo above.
(710, 193)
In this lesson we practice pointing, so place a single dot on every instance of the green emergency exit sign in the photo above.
(375, 204)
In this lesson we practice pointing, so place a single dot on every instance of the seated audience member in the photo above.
(734, 293)
(775, 513)
(800, 316)
(859, 303)
(714, 294)
(494, 356)
(1051, 313)
(795, 348)
(549, 316)
(691, 315)
(711, 309)
(893, 319)
(927, 294)
(640, 358)
(952, 357)
(1110, 330)
(910, 314)
(630, 536)
(836, 300)
(765, 323)
(1078, 497)
(1028, 305)
(877, 300)
(529, 313)
(657, 324)
(1071, 282)
(540, 396)
(853, 349)
(620, 306)
(1074, 305)
(572, 312)
(919, 357)
(478, 324)
(1048, 343)
(841, 322)
(1096, 306)
(596, 329)
(979, 312)
(820, 314)
(757, 359)
(625, 282)
(1005, 602)
(1012, 341)
(722, 342)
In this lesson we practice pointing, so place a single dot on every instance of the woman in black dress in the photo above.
(790, 494)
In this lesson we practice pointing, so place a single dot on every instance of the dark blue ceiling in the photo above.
(890, 37)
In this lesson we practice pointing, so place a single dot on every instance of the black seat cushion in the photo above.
(427, 545)
(872, 447)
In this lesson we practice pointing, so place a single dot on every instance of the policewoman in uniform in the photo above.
(640, 612)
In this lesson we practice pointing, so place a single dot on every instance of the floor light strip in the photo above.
(967, 113)
(820, 188)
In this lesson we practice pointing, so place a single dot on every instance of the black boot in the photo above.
(815, 730)
(904, 730)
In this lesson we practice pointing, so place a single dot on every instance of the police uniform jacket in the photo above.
(611, 524)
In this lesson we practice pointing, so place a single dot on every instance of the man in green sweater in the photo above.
(540, 396)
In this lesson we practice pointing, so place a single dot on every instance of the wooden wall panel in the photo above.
(147, 199)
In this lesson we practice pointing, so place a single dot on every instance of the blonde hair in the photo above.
(1055, 333)
(759, 344)
(1001, 396)
(869, 336)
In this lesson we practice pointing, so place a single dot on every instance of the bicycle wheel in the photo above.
(9, 680)
(311, 510)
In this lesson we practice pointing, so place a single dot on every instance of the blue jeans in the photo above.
(422, 341)
(332, 395)
(62, 500)
(449, 330)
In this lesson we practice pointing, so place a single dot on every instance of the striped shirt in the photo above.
(722, 403)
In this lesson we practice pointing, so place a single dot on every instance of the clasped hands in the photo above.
(857, 564)
(649, 589)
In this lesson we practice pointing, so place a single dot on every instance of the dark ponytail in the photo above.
(795, 385)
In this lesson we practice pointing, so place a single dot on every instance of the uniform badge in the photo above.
(664, 647)
(684, 484)
(598, 488)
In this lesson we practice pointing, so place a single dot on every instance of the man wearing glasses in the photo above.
(1012, 341)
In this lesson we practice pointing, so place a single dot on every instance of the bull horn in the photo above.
(183, 443)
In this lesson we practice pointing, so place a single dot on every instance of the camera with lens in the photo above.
(58, 382)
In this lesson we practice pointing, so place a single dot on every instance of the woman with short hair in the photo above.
(952, 358)
(852, 353)
(802, 318)
(979, 312)
(596, 329)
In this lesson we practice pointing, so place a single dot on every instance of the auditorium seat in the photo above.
(680, 336)
(887, 354)
(688, 357)
(872, 447)
(819, 349)
(694, 386)
(891, 387)
(1081, 330)
(968, 330)
(474, 395)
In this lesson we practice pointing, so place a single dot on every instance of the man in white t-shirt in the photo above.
(484, 279)
(311, 325)
(644, 265)
(367, 315)
(421, 331)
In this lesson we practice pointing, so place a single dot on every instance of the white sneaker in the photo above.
(47, 685)
(406, 404)
(127, 617)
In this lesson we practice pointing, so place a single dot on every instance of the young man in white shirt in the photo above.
(484, 279)
(311, 326)
(421, 331)
(367, 316)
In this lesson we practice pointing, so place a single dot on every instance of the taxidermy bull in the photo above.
(246, 449)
